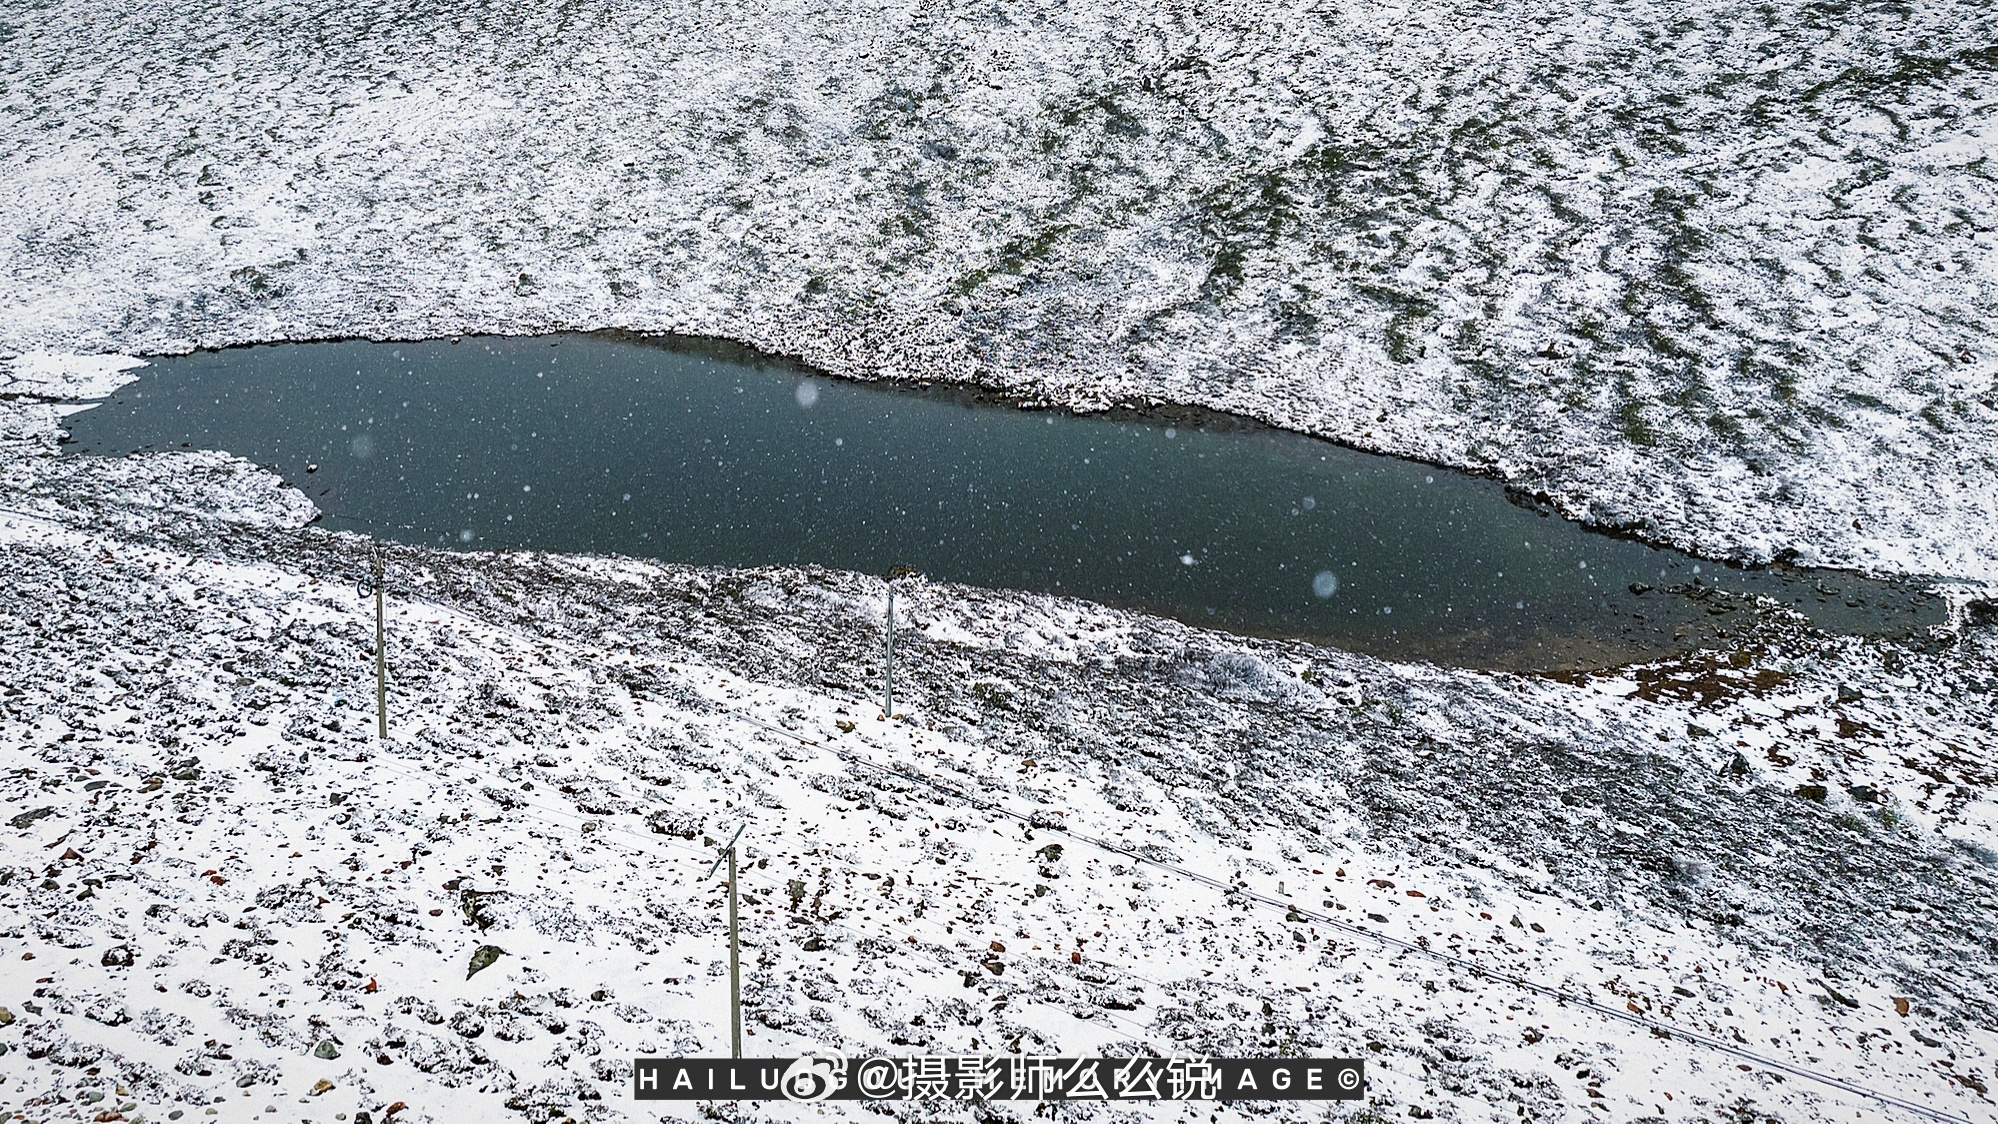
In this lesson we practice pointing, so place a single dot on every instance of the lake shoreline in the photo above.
(1592, 625)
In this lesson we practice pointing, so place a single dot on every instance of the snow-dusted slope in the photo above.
(1724, 272)
(219, 896)
(1720, 271)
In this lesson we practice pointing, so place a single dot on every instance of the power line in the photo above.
(644, 846)
(1383, 939)
(1312, 915)
(1317, 916)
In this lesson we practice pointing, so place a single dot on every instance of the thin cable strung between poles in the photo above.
(1396, 943)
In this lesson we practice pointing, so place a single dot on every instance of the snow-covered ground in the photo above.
(1719, 271)
(219, 893)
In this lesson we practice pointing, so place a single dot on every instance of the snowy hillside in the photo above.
(1719, 273)
(1722, 272)
(219, 896)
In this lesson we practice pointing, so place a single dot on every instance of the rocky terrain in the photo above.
(1717, 272)
(1089, 831)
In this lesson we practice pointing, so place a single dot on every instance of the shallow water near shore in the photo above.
(708, 454)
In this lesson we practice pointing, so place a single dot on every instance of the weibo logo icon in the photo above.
(814, 1079)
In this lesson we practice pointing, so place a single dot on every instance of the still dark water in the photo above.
(708, 454)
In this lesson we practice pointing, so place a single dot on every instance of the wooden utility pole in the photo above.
(727, 854)
(381, 656)
(888, 700)
(888, 690)
(734, 964)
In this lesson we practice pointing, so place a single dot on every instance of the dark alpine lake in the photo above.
(702, 453)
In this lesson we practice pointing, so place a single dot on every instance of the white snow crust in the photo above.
(70, 378)
(1719, 273)
(189, 780)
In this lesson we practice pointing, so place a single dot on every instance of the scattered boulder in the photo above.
(683, 825)
(1241, 677)
(326, 1051)
(117, 956)
(1689, 869)
(484, 957)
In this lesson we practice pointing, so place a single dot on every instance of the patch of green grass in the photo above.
(261, 285)
(1630, 418)
(1013, 256)
(1406, 315)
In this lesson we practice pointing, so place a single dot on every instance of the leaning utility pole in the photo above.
(727, 853)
